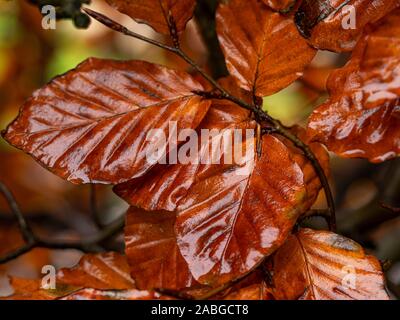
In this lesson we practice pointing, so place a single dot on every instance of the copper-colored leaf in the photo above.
(90, 124)
(157, 13)
(362, 116)
(98, 271)
(131, 294)
(263, 49)
(31, 289)
(328, 24)
(28, 289)
(102, 276)
(321, 265)
(153, 253)
(234, 216)
(252, 287)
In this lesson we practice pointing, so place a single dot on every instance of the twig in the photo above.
(259, 114)
(91, 244)
(390, 208)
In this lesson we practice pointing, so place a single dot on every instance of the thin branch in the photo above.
(91, 244)
(12, 203)
(259, 114)
(390, 208)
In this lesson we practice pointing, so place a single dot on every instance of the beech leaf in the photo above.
(362, 116)
(321, 265)
(157, 13)
(103, 271)
(264, 51)
(337, 25)
(153, 253)
(90, 125)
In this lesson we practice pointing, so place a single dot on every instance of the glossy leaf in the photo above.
(153, 253)
(28, 289)
(102, 276)
(131, 294)
(90, 125)
(252, 287)
(103, 271)
(336, 25)
(157, 13)
(321, 265)
(264, 51)
(234, 216)
(362, 116)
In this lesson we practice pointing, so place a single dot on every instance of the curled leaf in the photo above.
(158, 14)
(337, 25)
(362, 116)
(264, 51)
(152, 251)
(103, 271)
(321, 265)
(90, 125)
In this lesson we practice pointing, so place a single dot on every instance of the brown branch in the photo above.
(390, 208)
(259, 114)
(91, 244)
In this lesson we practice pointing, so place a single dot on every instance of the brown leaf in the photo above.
(321, 21)
(157, 13)
(156, 190)
(252, 287)
(131, 294)
(153, 253)
(102, 276)
(30, 289)
(234, 216)
(103, 271)
(90, 125)
(361, 118)
(263, 49)
(321, 265)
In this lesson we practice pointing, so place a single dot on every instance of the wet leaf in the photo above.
(362, 116)
(90, 125)
(31, 289)
(157, 13)
(321, 265)
(131, 294)
(153, 253)
(98, 271)
(102, 276)
(263, 49)
(336, 25)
